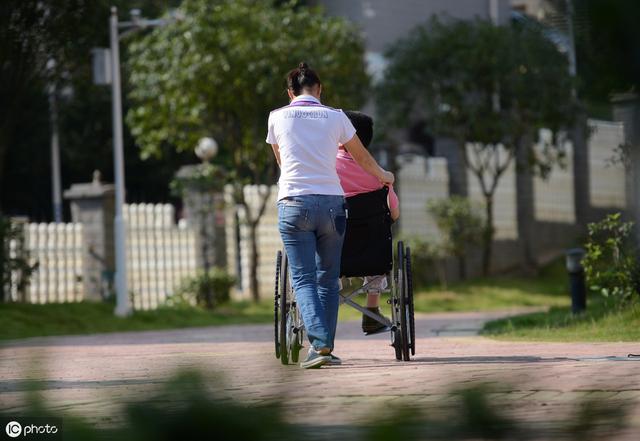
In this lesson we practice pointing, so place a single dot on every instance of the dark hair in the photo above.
(302, 77)
(363, 124)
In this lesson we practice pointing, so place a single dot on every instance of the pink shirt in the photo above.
(354, 180)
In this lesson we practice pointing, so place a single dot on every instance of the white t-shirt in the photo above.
(308, 135)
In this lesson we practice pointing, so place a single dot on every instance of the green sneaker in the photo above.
(371, 326)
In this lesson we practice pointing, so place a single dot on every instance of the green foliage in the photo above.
(611, 262)
(460, 221)
(13, 264)
(426, 257)
(205, 177)
(451, 72)
(220, 70)
(491, 86)
(207, 289)
(32, 31)
(607, 47)
(191, 406)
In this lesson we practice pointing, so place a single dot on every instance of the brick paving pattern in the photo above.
(90, 375)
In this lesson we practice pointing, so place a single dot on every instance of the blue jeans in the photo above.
(312, 228)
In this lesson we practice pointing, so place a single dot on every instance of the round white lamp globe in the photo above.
(206, 149)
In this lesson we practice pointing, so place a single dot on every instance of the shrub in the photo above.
(611, 261)
(426, 257)
(207, 289)
(462, 225)
(15, 267)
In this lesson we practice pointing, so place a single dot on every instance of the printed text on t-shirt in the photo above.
(306, 114)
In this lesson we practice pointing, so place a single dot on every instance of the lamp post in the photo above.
(206, 149)
(123, 307)
(577, 284)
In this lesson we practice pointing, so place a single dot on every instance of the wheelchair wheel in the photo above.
(397, 343)
(276, 305)
(403, 302)
(283, 312)
(295, 332)
(290, 334)
(410, 311)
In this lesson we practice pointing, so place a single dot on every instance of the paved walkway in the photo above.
(89, 375)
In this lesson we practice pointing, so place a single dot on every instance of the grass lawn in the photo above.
(25, 320)
(601, 322)
(549, 288)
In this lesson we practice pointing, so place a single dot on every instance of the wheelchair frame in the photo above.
(289, 329)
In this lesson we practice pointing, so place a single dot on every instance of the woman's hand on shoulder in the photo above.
(387, 177)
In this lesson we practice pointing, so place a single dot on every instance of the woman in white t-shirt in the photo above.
(311, 210)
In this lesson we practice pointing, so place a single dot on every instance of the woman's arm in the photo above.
(276, 153)
(364, 159)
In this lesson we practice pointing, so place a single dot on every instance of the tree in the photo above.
(220, 70)
(489, 87)
(607, 43)
(461, 224)
(31, 33)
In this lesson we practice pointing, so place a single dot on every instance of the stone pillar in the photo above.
(204, 212)
(92, 205)
(626, 109)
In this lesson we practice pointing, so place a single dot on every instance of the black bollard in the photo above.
(577, 285)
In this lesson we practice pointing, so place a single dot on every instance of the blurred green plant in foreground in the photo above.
(188, 408)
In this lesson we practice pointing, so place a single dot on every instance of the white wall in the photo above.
(504, 199)
(420, 180)
(554, 196)
(607, 180)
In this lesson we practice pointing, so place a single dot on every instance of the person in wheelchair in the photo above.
(354, 181)
(304, 137)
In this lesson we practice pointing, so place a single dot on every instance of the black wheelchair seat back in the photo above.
(367, 249)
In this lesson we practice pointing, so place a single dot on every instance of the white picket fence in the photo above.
(58, 251)
(160, 255)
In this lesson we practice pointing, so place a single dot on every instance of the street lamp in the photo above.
(206, 149)
(123, 307)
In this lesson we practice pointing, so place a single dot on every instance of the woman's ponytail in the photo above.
(302, 77)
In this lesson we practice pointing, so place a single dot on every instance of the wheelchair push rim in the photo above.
(284, 311)
(289, 331)
(403, 338)
(276, 305)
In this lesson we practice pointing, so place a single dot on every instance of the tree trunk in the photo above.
(442, 273)
(487, 245)
(582, 198)
(525, 212)
(462, 267)
(3, 258)
(4, 147)
(253, 263)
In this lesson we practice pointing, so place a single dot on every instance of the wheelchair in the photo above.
(367, 251)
